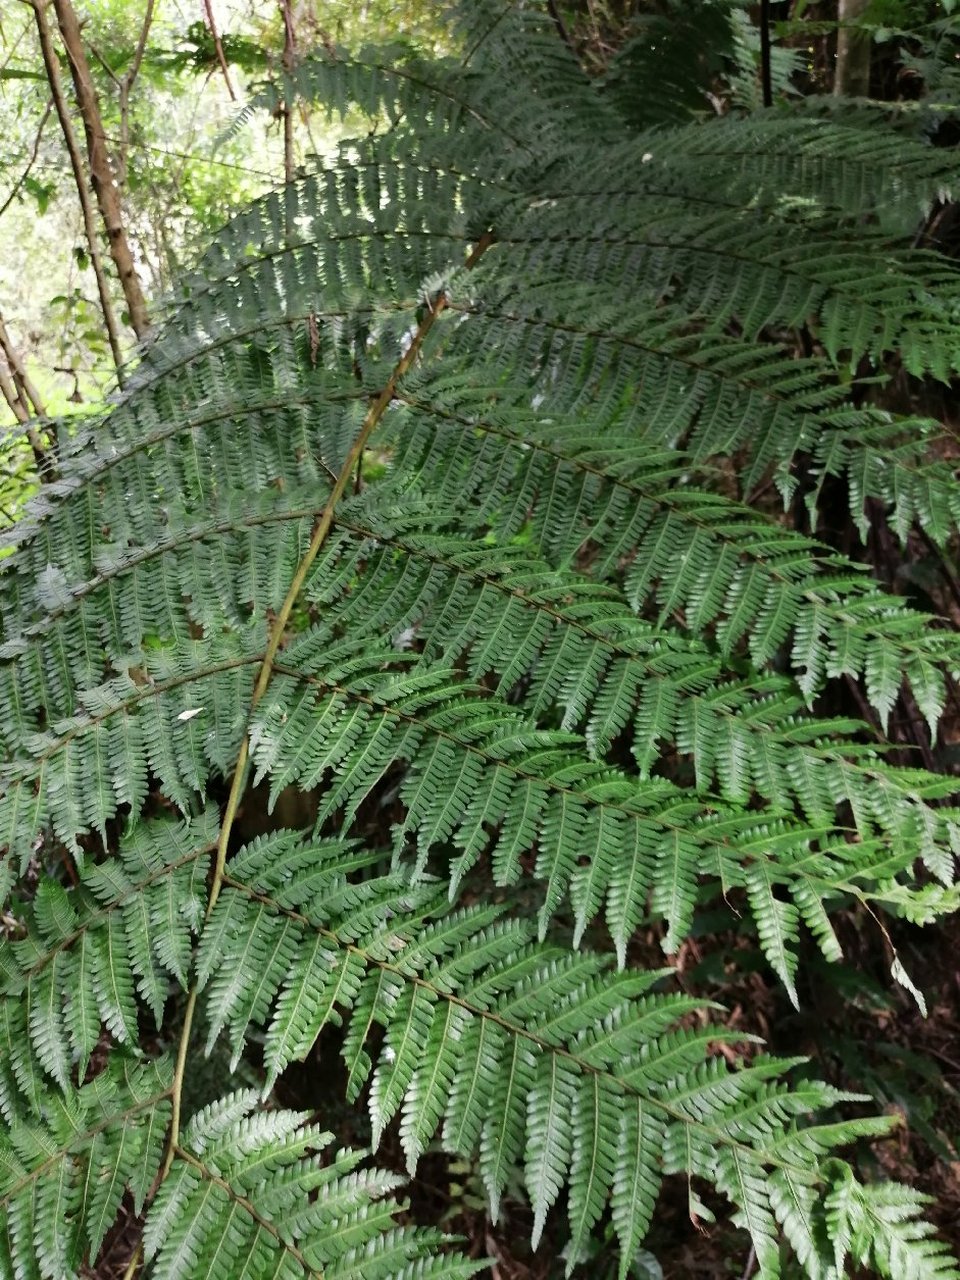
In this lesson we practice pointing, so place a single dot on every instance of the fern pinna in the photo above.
(417, 503)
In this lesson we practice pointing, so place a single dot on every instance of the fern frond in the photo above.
(880, 1226)
(513, 1049)
(677, 51)
(475, 763)
(250, 1189)
(65, 1169)
(82, 961)
(247, 1190)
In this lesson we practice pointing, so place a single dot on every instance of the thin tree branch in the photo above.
(32, 160)
(25, 403)
(134, 69)
(11, 49)
(104, 63)
(126, 84)
(559, 23)
(52, 69)
(289, 62)
(11, 395)
(102, 177)
(215, 36)
(28, 392)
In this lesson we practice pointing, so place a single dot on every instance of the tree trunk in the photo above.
(852, 77)
(102, 177)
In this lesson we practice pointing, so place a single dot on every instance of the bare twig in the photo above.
(134, 69)
(11, 46)
(104, 63)
(124, 84)
(28, 392)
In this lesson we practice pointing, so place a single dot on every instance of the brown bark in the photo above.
(289, 62)
(52, 69)
(102, 177)
(852, 77)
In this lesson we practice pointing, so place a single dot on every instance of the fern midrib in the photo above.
(401, 163)
(144, 692)
(155, 689)
(784, 218)
(771, 262)
(442, 91)
(234, 411)
(201, 532)
(183, 538)
(576, 463)
(160, 372)
(362, 233)
(616, 648)
(818, 158)
(618, 338)
(683, 196)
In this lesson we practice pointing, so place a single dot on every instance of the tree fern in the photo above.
(419, 502)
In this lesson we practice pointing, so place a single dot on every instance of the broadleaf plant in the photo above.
(415, 516)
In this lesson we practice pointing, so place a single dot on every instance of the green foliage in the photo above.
(526, 641)
(233, 1202)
